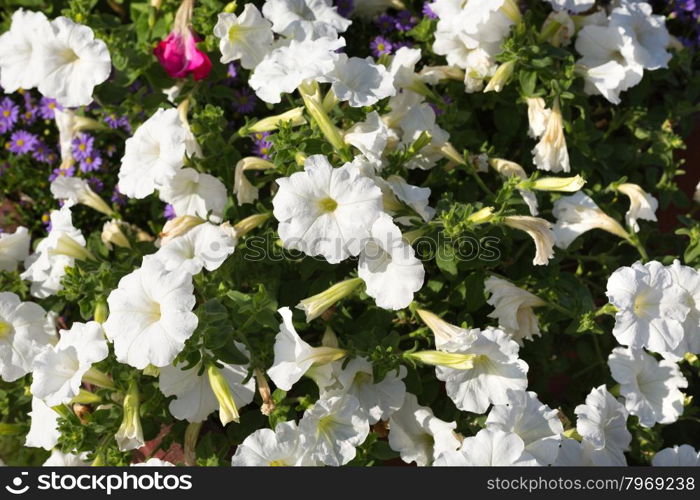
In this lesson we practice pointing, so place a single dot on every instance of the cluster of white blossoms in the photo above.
(470, 35)
(295, 43)
(361, 210)
(617, 48)
(61, 58)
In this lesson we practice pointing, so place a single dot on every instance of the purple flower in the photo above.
(169, 212)
(345, 7)
(405, 21)
(91, 163)
(118, 197)
(428, 12)
(8, 114)
(244, 101)
(47, 108)
(263, 147)
(96, 184)
(46, 221)
(30, 109)
(110, 150)
(62, 172)
(232, 70)
(112, 120)
(380, 46)
(124, 123)
(385, 23)
(22, 142)
(82, 146)
(43, 153)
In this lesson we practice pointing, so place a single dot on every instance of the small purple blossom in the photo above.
(48, 107)
(91, 163)
(232, 70)
(8, 114)
(96, 184)
(405, 21)
(345, 7)
(169, 212)
(110, 150)
(385, 23)
(244, 101)
(428, 12)
(22, 142)
(380, 46)
(117, 197)
(30, 109)
(43, 153)
(263, 147)
(46, 221)
(112, 120)
(62, 172)
(82, 146)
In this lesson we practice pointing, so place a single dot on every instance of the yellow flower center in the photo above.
(6, 112)
(327, 205)
(5, 329)
(277, 463)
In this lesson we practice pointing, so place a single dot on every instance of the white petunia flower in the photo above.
(577, 214)
(326, 211)
(687, 279)
(359, 81)
(540, 230)
(14, 248)
(389, 267)
(247, 37)
(288, 66)
(602, 422)
(551, 153)
(651, 388)
(642, 205)
(649, 32)
(151, 315)
(443, 332)
(494, 368)
(71, 63)
(511, 169)
(60, 459)
(301, 19)
(63, 245)
(650, 309)
(479, 66)
(416, 121)
(513, 308)
(194, 397)
(536, 423)
(204, 246)
(154, 154)
(78, 190)
(58, 370)
(194, 193)
(279, 448)
(43, 432)
(19, 65)
(24, 333)
(678, 456)
(293, 356)
(574, 6)
(609, 64)
(378, 401)
(415, 197)
(418, 435)
(537, 115)
(332, 428)
(370, 137)
(490, 447)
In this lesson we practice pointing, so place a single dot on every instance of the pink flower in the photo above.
(179, 56)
